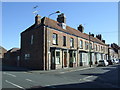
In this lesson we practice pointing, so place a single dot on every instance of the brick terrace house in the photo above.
(50, 44)
(2, 51)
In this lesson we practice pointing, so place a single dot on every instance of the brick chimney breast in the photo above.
(81, 28)
(37, 19)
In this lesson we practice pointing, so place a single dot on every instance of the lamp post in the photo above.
(48, 33)
(90, 62)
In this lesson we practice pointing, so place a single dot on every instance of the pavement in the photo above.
(63, 70)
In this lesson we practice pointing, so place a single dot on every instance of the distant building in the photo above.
(50, 44)
(2, 51)
(12, 57)
(114, 51)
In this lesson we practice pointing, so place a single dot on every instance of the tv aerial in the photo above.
(35, 10)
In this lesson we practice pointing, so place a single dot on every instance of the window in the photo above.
(55, 37)
(27, 56)
(101, 48)
(64, 40)
(96, 47)
(18, 58)
(81, 44)
(86, 45)
(71, 42)
(74, 55)
(90, 46)
(31, 39)
(57, 57)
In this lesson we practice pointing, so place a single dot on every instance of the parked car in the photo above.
(103, 63)
(110, 62)
(113, 61)
(116, 61)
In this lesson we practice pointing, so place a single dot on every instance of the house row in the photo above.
(50, 44)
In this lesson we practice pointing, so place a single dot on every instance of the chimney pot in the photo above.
(61, 18)
(81, 28)
(37, 19)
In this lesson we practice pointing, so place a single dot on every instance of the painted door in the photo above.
(53, 59)
(81, 63)
(71, 59)
(65, 59)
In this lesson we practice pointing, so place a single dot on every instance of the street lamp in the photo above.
(48, 41)
(90, 62)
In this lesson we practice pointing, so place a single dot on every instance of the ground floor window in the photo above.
(57, 57)
(27, 56)
(72, 56)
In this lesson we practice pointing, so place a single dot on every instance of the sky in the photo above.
(96, 17)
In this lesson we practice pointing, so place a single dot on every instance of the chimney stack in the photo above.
(103, 41)
(92, 35)
(37, 19)
(99, 36)
(81, 28)
(61, 18)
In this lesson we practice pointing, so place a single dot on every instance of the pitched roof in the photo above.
(14, 49)
(55, 24)
(2, 49)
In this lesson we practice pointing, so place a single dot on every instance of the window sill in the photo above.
(64, 45)
(55, 44)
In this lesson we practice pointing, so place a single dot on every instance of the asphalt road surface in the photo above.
(95, 77)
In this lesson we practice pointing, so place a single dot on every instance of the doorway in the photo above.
(65, 59)
(52, 59)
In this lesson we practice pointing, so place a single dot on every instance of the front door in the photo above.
(53, 59)
(81, 64)
(65, 59)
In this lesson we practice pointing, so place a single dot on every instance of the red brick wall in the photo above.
(35, 50)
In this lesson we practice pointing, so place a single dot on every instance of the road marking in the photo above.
(9, 74)
(86, 78)
(14, 84)
(28, 80)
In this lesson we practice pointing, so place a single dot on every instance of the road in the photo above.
(95, 77)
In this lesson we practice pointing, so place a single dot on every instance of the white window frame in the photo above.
(54, 38)
(32, 39)
(81, 43)
(71, 42)
(27, 56)
(57, 58)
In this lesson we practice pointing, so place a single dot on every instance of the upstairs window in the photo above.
(64, 40)
(31, 39)
(95, 47)
(86, 45)
(71, 42)
(81, 44)
(90, 46)
(55, 39)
